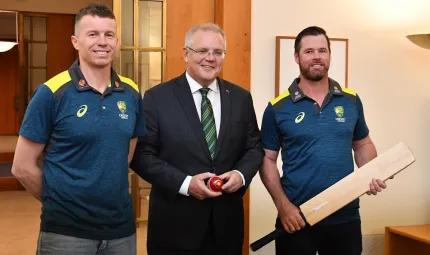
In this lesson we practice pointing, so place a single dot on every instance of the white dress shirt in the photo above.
(214, 96)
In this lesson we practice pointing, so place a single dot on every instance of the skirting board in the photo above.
(372, 245)
(10, 184)
(6, 156)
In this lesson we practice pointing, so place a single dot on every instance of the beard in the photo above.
(313, 75)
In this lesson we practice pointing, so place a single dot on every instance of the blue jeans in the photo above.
(56, 244)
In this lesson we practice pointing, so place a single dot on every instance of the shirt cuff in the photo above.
(241, 175)
(185, 185)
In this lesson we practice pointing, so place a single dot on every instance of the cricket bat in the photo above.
(349, 188)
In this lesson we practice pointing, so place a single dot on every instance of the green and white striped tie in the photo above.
(208, 121)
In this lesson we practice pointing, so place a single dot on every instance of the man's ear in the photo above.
(296, 57)
(185, 54)
(75, 42)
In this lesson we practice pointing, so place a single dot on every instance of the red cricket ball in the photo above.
(215, 184)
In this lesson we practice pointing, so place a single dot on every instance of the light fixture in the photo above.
(421, 40)
(8, 30)
(5, 46)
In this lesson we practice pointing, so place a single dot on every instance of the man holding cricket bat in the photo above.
(317, 123)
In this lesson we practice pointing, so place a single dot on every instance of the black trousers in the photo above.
(340, 239)
(208, 247)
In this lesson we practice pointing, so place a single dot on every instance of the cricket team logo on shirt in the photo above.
(122, 108)
(339, 112)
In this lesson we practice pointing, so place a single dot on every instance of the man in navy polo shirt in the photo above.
(86, 121)
(317, 123)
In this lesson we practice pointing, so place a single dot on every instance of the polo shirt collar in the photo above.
(335, 88)
(81, 83)
(297, 94)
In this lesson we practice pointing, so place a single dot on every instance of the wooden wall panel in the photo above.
(9, 74)
(61, 53)
(181, 16)
(234, 17)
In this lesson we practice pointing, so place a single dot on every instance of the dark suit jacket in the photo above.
(175, 147)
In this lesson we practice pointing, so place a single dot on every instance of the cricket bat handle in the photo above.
(260, 243)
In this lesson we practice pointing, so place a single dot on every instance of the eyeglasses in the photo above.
(219, 54)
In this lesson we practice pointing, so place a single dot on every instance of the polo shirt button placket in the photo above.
(103, 111)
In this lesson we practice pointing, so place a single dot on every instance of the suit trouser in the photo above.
(208, 247)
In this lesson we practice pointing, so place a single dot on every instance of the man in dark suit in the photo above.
(198, 126)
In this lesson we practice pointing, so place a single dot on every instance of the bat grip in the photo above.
(260, 243)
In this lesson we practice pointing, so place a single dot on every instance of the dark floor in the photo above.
(5, 169)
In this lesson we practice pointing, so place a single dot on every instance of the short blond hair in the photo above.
(204, 27)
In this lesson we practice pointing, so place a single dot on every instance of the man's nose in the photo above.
(317, 55)
(102, 40)
(210, 56)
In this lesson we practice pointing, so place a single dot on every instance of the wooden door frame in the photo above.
(23, 72)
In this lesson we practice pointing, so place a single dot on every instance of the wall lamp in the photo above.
(421, 40)
(8, 30)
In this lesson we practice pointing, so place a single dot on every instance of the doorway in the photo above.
(44, 50)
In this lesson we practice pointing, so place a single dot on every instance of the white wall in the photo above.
(390, 74)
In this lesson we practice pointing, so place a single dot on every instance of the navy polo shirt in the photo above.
(316, 142)
(85, 169)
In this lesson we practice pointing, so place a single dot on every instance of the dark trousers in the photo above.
(208, 247)
(340, 239)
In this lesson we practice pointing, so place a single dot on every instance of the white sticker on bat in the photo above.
(316, 208)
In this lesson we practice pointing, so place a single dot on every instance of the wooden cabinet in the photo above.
(407, 240)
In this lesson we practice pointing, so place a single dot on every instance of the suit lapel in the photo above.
(225, 113)
(186, 99)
